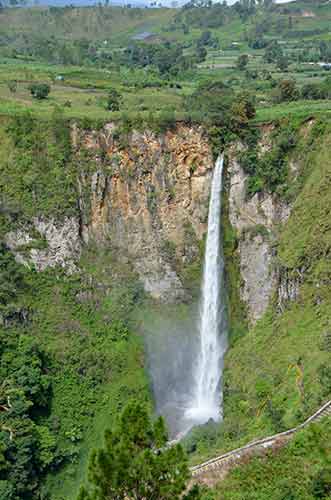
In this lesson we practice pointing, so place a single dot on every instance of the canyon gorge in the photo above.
(116, 264)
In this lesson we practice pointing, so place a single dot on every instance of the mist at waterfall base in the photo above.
(185, 354)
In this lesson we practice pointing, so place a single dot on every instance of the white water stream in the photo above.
(186, 355)
(207, 392)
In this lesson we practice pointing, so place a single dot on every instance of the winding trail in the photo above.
(215, 469)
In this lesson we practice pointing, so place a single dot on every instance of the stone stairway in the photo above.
(216, 468)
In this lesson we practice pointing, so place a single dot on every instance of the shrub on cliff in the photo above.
(268, 171)
(11, 276)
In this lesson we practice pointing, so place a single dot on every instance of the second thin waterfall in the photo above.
(206, 392)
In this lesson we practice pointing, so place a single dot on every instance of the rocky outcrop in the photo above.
(142, 194)
(148, 200)
(47, 243)
(261, 209)
(257, 273)
(256, 221)
(288, 287)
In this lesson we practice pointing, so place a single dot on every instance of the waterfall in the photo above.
(185, 354)
(206, 398)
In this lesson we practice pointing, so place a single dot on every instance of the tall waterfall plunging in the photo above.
(185, 353)
(206, 395)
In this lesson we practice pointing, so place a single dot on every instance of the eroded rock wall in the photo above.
(47, 243)
(256, 220)
(143, 195)
(148, 200)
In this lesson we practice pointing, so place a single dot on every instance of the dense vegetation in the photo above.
(64, 371)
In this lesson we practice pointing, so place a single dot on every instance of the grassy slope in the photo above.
(273, 373)
(85, 88)
(289, 473)
(299, 109)
(115, 24)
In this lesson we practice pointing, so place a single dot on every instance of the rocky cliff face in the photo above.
(256, 221)
(47, 243)
(143, 195)
(148, 200)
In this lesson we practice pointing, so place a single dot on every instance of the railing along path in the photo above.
(234, 456)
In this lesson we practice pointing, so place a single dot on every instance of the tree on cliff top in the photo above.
(135, 462)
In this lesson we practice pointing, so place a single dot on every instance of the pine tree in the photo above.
(136, 462)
